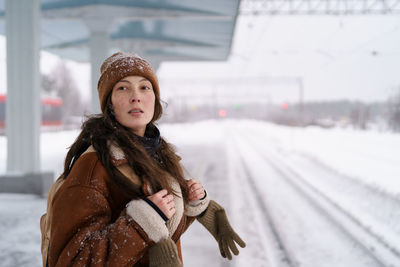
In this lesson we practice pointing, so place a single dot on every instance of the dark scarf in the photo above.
(151, 140)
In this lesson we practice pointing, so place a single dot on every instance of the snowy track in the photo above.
(357, 199)
(279, 246)
(264, 244)
(371, 243)
(374, 246)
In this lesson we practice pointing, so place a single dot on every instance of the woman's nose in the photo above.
(135, 97)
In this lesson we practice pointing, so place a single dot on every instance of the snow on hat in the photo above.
(121, 65)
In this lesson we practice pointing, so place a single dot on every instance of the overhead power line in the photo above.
(320, 7)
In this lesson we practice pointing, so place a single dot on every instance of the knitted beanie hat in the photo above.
(121, 65)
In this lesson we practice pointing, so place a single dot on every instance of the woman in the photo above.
(124, 200)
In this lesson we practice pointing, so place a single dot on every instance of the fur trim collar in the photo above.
(117, 155)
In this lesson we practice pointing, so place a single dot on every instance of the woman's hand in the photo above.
(196, 190)
(165, 202)
(216, 222)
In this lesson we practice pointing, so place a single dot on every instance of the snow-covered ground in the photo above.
(298, 197)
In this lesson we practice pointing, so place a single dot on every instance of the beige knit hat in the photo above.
(121, 65)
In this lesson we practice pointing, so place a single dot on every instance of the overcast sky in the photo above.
(337, 57)
(351, 57)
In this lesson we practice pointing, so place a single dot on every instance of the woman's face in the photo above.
(133, 101)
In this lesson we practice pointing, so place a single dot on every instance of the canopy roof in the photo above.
(159, 29)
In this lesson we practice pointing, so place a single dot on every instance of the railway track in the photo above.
(264, 244)
(351, 192)
(282, 250)
(370, 244)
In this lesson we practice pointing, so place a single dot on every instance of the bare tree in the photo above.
(360, 116)
(48, 84)
(61, 82)
(394, 111)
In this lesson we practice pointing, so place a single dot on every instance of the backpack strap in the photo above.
(47, 258)
(76, 157)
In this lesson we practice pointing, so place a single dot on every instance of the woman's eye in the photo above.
(122, 88)
(145, 87)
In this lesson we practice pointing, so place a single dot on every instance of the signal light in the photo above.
(222, 113)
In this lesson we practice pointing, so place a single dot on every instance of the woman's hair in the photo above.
(101, 130)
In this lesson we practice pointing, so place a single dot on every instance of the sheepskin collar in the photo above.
(117, 155)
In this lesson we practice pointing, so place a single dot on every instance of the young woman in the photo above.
(124, 200)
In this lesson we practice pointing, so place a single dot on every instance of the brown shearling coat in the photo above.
(89, 225)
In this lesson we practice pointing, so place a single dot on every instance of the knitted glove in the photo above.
(215, 221)
(164, 254)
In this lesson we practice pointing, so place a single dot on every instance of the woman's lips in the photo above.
(135, 110)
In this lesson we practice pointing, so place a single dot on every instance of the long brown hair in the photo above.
(102, 129)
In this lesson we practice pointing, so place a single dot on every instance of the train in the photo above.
(51, 110)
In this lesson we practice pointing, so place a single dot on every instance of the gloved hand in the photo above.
(216, 222)
(164, 254)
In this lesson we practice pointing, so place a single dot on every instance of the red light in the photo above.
(285, 105)
(52, 102)
(222, 113)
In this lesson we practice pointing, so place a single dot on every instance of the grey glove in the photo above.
(216, 222)
(164, 254)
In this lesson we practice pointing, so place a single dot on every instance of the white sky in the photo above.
(333, 55)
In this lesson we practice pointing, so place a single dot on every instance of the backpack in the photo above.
(45, 221)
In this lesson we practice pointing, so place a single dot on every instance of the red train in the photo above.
(51, 111)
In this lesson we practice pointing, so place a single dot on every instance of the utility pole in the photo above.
(301, 100)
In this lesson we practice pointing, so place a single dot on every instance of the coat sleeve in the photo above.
(82, 233)
(195, 208)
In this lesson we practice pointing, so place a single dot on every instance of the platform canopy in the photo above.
(159, 30)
